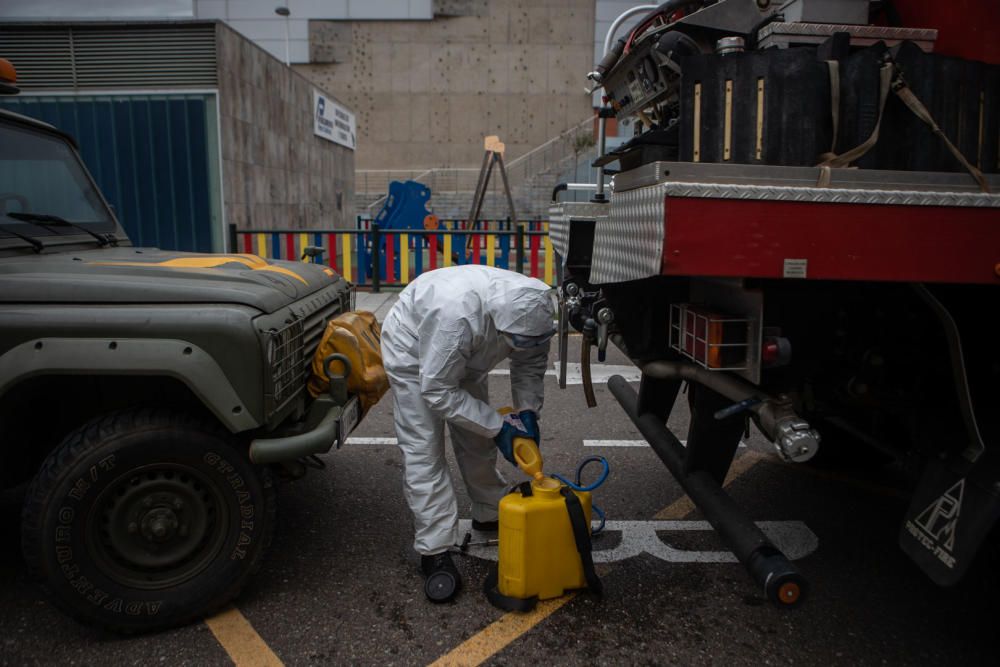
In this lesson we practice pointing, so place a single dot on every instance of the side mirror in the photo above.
(313, 251)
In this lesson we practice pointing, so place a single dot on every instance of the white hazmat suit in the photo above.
(439, 342)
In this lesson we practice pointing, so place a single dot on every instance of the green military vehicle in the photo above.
(148, 399)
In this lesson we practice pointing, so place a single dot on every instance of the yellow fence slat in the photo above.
(345, 244)
(490, 250)
(446, 259)
(303, 242)
(404, 258)
(262, 245)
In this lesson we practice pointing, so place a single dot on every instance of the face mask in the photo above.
(522, 342)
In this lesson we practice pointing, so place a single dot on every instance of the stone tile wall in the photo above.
(276, 173)
(426, 92)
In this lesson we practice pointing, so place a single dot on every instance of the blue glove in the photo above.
(530, 420)
(505, 440)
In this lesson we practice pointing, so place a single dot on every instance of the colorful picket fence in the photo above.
(402, 255)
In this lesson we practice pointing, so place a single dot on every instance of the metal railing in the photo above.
(553, 153)
(377, 258)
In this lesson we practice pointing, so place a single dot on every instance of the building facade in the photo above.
(187, 127)
(428, 80)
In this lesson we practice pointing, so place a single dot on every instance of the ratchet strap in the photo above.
(832, 160)
(581, 534)
(890, 79)
(912, 103)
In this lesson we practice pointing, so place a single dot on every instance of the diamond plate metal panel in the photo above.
(559, 231)
(875, 32)
(830, 195)
(628, 245)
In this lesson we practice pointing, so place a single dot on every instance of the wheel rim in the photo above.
(157, 526)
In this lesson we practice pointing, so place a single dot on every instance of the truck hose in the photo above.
(588, 384)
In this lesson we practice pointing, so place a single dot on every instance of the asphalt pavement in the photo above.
(340, 583)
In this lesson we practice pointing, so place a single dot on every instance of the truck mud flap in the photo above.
(952, 512)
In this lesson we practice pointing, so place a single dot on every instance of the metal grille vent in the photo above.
(285, 355)
(111, 56)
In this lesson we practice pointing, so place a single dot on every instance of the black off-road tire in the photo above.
(146, 519)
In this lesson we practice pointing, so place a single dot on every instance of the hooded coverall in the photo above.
(439, 342)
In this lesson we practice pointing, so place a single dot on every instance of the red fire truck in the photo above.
(805, 229)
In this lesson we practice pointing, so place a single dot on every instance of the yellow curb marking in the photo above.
(492, 639)
(683, 506)
(499, 634)
(241, 641)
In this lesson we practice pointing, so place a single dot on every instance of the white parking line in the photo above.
(357, 440)
(627, 443)
(599, 373)
(372, 441)
(506, 371)
(794, 538)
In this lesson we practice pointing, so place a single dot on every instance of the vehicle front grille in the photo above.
(292, 345)
(285, 354)
(315, 325)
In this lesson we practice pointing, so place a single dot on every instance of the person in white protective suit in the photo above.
(449, 328)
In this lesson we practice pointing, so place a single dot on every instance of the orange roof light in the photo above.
(8, 77)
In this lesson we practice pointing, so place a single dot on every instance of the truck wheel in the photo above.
(145, 519)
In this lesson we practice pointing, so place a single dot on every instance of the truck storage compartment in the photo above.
(762, 107)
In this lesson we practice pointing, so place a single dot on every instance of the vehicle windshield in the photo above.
(41, 174)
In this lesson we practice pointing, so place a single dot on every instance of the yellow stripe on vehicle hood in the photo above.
(252, 262)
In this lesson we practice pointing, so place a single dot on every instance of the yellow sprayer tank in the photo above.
(538, 555)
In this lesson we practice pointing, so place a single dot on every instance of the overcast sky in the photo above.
(55, 9)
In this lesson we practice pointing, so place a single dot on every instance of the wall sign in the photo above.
(333, 122)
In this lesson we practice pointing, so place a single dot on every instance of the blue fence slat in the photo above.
(505, 252)
(364, 262)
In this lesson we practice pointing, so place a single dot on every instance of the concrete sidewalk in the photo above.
(376, 303)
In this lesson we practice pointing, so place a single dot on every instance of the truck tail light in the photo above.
(775, 350)
(715, 340)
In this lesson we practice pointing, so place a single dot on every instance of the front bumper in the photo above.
(326, 424)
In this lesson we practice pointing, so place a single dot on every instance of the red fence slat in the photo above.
(390, 258)
(534, 255)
